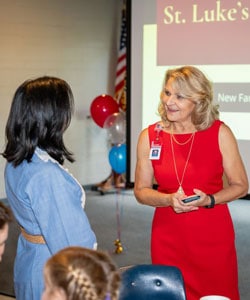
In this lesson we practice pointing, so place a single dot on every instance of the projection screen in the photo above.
(212, 35)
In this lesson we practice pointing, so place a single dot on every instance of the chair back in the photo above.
(152, 282)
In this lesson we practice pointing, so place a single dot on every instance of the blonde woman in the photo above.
(195, 150)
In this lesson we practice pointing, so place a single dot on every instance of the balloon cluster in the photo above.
(104, 110)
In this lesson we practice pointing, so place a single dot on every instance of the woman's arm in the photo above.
(233, 168)
(144, 176)
(56, 203)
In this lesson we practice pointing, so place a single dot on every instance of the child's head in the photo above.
(5, 219)
(76, 273)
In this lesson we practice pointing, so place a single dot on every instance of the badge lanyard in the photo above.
(156, 144)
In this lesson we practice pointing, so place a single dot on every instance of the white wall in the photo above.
(76, 40)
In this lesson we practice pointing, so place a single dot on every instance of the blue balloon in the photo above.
(117, 158)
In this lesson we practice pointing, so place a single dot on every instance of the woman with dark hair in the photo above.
(45, 198)
(77, 273)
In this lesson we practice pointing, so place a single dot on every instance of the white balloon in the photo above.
(116, 127)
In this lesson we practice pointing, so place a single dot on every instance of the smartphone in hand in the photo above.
(191, 198)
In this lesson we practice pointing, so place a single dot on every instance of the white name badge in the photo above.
(155, 152)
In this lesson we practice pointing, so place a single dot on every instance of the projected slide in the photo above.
(212, 35)
(231, 87)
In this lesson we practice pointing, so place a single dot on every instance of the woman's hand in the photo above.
(179, 206)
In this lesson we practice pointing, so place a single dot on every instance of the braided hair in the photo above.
(83, 274)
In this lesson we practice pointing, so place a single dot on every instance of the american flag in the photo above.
(120, 81)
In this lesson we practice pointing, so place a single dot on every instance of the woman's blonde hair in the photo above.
(83, 274)
(191, 83)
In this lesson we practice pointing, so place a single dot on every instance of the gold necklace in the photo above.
(180, 189)
(184, 143)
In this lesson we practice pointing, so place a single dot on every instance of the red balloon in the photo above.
(102, 107)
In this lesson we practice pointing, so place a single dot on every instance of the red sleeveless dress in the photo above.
(201, 243)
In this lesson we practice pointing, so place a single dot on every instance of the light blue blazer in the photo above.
(46, 200)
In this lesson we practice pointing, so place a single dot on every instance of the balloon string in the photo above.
(118, 213)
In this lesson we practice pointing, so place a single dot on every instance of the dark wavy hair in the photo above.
(40, 113)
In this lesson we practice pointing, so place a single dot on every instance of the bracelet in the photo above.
(212, 204)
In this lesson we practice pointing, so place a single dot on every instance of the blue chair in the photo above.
(154, 282)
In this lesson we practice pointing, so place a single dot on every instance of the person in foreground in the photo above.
(77, 273)
(195, 150)
(46, 200)
(5, 219)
